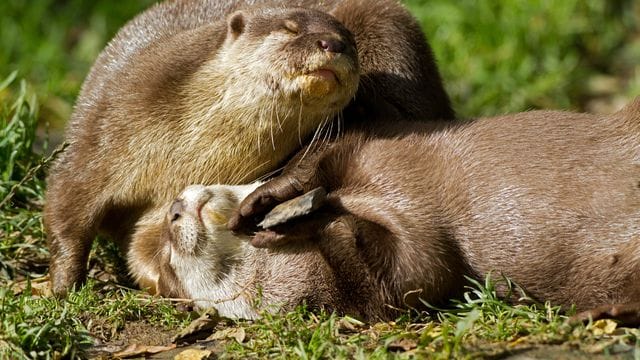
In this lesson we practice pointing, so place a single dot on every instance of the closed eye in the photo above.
(291, 27)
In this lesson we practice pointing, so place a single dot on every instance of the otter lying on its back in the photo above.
(206, 91)
(549, 199)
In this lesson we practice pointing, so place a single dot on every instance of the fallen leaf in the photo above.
(230, 333)
(240, 335)
(603, 326)
(600, 346)
(199, 328)
(295, 208)
(194, 354)
(40, 287)
(134, 350)
(402, 345)
(519, 341)
(350, 324)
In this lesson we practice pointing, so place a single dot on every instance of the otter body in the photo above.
(549, 199)
(221, 91)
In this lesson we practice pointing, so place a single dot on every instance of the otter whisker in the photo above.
(340, 119)
(269, 174)
(239, 172)
(330, 132)
(273, 143)
(300, 121)
(244, 178)
(326, 132)
(275, 105)
(313, 141)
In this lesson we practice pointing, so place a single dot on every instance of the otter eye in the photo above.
(291, 26)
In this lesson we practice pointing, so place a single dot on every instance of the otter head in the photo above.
(192, 254)
(298, 55)
(284, 70)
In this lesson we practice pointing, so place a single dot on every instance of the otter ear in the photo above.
(236, 24)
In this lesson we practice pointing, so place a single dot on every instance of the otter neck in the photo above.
(257, 126)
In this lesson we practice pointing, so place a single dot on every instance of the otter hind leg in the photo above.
(71, 227)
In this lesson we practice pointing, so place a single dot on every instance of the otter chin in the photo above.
(319, 83)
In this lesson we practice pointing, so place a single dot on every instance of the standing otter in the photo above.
(549, 199)
(205, 91)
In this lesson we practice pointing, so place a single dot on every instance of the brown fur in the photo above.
(152, 116)
(549, 199)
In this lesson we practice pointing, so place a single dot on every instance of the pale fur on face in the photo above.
(205, 254)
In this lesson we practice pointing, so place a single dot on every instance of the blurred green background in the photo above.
(495, 56)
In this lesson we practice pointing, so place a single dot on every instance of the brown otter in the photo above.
(548, 199)
(206, 91)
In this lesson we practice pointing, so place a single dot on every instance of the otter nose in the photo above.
(331, 45)
(176, 210)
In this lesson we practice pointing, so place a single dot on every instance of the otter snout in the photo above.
(331, 44)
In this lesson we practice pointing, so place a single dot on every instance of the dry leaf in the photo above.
(199, 328)
(230, 333)
(402, 345)
(349, 324)
(600, 346)
(295, 208)
(194, 354)
(40, 287)
(134, 350)
(603, 326)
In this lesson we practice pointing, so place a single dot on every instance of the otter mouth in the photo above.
(324, 74)
(321, 81)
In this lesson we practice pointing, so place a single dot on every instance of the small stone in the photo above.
(295, 208)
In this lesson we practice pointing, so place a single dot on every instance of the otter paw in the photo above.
(263, 199)
(627, 314)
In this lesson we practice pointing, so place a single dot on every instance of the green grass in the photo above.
(508, 56)
(43, 327)
(53, 43)
(21, 185)
(495, 57)
(480, 325)
(46, 327)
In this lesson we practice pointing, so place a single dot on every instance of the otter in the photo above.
(208, 91)
(548, 199)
